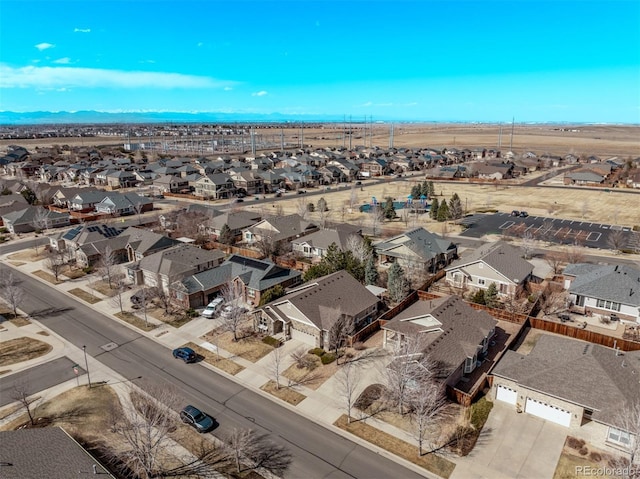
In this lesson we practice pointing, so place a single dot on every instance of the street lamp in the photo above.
(86, 364)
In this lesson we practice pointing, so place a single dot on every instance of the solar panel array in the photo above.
(250, 263)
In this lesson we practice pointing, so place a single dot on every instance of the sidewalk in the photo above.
(323, 405)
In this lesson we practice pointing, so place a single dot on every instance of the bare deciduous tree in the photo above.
(233, 316)
(527, 244)
(627, 421)
(252, 451)
(427, 403)
(554, 260)
(348, 380)
(358, 247)
(376, 217)
(617, 240)
(275, 365)
(107, 265)
(117, 299)
(554, 299)
(11, 292)
(301, 208)
(573, 255)
(54, 262)
(23, 396)
(353, 197)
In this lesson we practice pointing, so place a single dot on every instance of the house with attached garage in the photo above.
(86, 243)
(455, 336)
(416, 249)
(251, 278)
(499, 263)
(309, 312)
(606, 290)
(315, 245)
(276, 229)
(34, 218)
(121, 204)
(573, 383)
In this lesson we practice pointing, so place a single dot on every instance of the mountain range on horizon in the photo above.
(10, 118)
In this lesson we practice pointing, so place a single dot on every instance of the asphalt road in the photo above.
(38, 378)
(317, 452)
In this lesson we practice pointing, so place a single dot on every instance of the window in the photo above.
(481, 281)
(608, 305)
(263, 324)
(469, 365)
(619, 436)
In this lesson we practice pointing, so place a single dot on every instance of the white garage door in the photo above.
(304, 337)
(508, 395)
(548, 412)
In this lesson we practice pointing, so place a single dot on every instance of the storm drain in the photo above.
(109, 346)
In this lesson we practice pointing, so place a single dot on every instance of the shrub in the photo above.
(595, 456)
(191, 313)
(87, 269)
(480, 412)
(327, 358)
(271, 341)
(636, 228)
(4, 230)
(370, 395)
(317, 351)
(583, 451)
(575, 443)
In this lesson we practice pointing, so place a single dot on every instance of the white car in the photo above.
(212, 308)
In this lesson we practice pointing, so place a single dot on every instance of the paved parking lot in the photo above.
(553, 230)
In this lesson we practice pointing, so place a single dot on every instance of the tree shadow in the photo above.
(49, 312)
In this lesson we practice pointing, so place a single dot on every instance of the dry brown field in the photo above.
(598, 140)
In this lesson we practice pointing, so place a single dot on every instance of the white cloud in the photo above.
(228, 88)
(63, 61)
(57, 77)
(81, 30)
(44, 46)
(259, 93)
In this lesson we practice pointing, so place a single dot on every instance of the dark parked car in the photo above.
(188, 355)
(515, 213)
(524, 214)
(196, 418)
(358, 183)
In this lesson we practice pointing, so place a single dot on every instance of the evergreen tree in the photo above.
(389, 210)
(432, 190)
(433, 212)
(226, 235)
(29, 195)
(397, 284)
(424, 188)
(322, 205)
(370, 271)
(478, 297)
(416, 191)
(443, 211)
(272, 294)
(455, 207)
(491, 295)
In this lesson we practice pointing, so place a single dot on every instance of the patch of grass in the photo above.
(27, 255)
(271, 341)
(250, 348)
(103, 288)
(227, 365)
(47, 277)
(134, 320)
(85, 295)
(22, 349)
(432, 462)
(5, 371)
(480, 412)
(20, 321)
(285, 393)
(8, 411)
(43, 333)
(568, 465)
(77, 410)
(75, 273)
(17, 263)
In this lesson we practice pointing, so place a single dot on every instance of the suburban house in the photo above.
(34, 218)
(84, 201)
(494, 171)
(455, 336)
(315, 245)
(87, 243)
(499, 263)
(215, 186)
(417, 248)
(572, 383)
(121, 204)
(250, 277)
(10, 203)
(248, 182)
(235, 220)
(278, 229)
(163, 268)
(583, 178)
(605, 290)
(171, 184)
(143, 242)
(308, 313)
(121, 179)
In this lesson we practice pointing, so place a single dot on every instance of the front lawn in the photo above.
(134, 320)
(285, 393)
(85, 295)
(22, 349)
(227, 365)
(248, 347)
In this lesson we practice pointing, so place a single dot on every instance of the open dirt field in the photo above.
(553, 139)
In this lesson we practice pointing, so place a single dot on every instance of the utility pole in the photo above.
(86, 365)
(391, 136)
(511, 141)
(349, 131)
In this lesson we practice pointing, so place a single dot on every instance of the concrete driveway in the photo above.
(513, 446)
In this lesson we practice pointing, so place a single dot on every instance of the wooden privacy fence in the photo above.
(584, 334)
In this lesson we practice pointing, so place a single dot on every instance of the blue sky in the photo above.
(411, 60)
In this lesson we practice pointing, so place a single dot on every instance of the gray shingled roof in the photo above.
(45, 452)
(259, 275)
(236, 220)
(324, 300)
(503, 257)
(583, 373)
(180, 260)
(324, 238)
(461, 330)
(27, 215)
(419, 241)
(618, 283)
(288, 226)
(142, 240)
